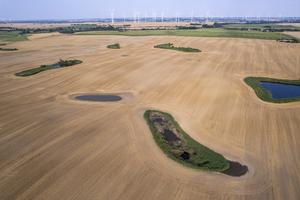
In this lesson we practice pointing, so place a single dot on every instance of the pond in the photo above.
(281, 90)
(99, 98)
(236, 169)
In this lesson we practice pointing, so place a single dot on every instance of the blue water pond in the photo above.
(281, 90)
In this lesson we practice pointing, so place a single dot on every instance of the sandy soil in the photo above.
(52, 147)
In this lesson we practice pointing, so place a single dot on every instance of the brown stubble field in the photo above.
(294, 34)
(52, 147)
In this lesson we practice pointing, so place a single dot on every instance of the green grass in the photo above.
(262, 26)
(8, 49)
(172, 47)
(211, 32)
(114, 46)
(265, 95)
(202, 158)
(6, 36)
(59, 64)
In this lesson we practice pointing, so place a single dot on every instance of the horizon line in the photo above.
(158, 18)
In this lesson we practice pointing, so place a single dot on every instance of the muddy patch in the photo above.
(236, 169)
(99, 98)
(122, 97)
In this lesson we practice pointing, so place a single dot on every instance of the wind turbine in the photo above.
(146, 17)
(162, 16)
(134, 17)
(138, 17)
(112, 15)
(206, 18)
(124, 18)
(155, 17)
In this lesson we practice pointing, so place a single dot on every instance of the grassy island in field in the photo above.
(256, 84)
(172, 47)
(59, 64)
(179, 146)
(114, 46)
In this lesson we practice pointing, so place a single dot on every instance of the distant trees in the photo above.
(68, 29)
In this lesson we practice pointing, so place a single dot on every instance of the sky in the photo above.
(86, 9)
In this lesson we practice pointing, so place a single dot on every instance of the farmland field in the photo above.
(54, 147)
(213, 32)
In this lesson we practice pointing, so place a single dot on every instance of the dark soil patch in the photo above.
(236, 169)
(170, 136)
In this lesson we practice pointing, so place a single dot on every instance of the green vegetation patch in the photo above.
(205, 32)
(114, 46)
(172, 47)
(179, 146)
(261, 27)
(8, 49)
(59, 64)
(12, 36)
(289, 40)
(264, 94)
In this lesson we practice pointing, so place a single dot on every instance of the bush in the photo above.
(8, 49)
(114, 46)
(66, 63)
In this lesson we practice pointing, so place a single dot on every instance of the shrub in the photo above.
(172, 47)
(114, 46)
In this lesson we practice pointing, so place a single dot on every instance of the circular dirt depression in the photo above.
(102, 97)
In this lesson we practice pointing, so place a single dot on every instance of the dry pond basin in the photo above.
(102, 97)
(99, 97)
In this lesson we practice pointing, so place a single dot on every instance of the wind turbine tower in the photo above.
(112, 14)
(138, 17)
(162, 17)
(155, 17)
(134, 17)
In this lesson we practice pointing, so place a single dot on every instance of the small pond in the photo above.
(99, 98)
(281, 90)
(236, 169)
